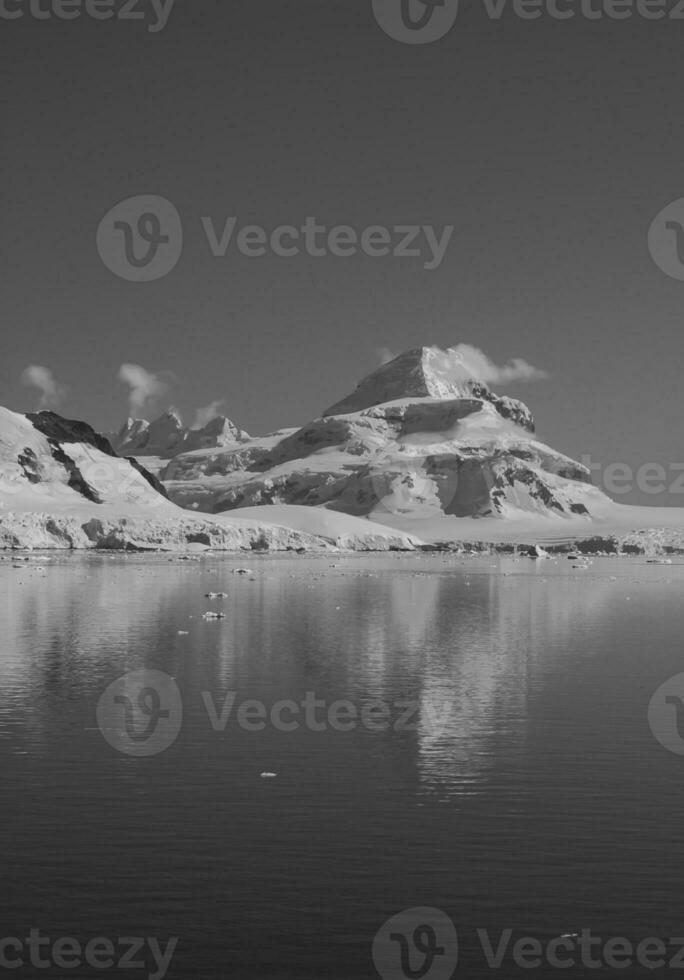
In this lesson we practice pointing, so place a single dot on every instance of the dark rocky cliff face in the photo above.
(508, 408)
(61, 432)
(59, 429)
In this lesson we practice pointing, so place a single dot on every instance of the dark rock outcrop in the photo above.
(60, 432)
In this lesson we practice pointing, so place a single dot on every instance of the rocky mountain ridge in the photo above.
(441, 461)
(63, 486)
(167, 437)
(428, 372)
(417, 437)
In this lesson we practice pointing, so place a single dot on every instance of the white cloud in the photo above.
(144, 386)
(42, 378)
(477, 365)
(385, 355)
(209, 412)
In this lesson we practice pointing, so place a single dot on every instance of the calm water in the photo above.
(527, 792)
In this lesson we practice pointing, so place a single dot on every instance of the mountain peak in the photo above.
(166, 436)
(427, 372)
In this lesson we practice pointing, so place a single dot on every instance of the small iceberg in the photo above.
(536, 551)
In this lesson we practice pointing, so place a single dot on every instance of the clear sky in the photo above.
(549, 145)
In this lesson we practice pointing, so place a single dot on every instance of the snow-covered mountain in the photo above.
(46, 460)
(418, 452)
(166, 436)
(62, 485)
(417, 438)
(427, 372)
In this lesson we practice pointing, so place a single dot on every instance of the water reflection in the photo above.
(470, 642)
(535, 797)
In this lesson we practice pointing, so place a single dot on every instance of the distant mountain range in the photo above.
(418, 452)
(166, 437)
(415, 439)
(63, 486)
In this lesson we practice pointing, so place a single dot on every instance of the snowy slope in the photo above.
(414, 456)
(419, 452)
(421, 447)
(47, 463)
(61, 485)
(613, 527)
(340, 530)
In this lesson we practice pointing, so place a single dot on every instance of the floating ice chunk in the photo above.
(536, 551)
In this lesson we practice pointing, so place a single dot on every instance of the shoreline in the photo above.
(596, 547)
